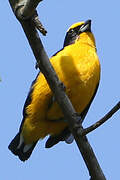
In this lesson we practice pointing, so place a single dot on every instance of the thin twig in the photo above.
(38, 24)
(102, 120)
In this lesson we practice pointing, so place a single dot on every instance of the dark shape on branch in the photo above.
(38, 24)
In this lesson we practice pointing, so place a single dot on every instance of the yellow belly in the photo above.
(80, 73)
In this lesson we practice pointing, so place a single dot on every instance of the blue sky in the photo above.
(17, 72)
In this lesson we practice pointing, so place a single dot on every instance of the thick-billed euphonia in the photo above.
(77, 66)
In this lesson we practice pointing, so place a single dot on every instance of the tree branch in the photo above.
(58, 89)
(24, 9)
(102, 120)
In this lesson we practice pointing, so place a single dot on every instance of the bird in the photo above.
(77, 66)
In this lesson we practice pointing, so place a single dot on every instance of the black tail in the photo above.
(20, 149)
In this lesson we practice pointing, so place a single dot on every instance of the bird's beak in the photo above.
(86, 26)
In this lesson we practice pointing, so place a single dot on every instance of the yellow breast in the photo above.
(78, 68)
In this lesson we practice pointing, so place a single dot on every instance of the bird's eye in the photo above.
(71, 31)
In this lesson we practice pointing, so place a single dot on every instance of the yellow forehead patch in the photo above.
(75, 25)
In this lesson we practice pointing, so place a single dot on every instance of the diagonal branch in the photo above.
(102, 120)
(58, 89)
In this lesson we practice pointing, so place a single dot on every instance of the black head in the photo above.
(75, 30)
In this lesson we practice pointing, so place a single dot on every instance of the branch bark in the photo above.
(58, 89)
